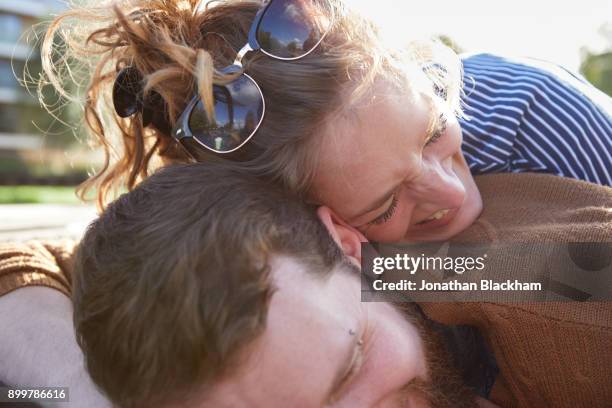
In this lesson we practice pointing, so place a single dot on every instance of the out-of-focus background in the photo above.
(43, 158)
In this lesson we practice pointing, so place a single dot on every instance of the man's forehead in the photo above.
(306, 337)
(303, 296)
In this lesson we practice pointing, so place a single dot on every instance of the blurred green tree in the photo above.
(597, 66)
(450, 43)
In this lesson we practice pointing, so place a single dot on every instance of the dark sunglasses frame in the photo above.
(182, 131)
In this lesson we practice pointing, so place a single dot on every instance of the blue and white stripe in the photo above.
(525, 115)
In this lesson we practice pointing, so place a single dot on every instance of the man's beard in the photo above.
(444, 386)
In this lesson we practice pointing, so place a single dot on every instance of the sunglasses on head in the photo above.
(282, 29)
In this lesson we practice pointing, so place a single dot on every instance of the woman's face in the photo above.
(384, 173)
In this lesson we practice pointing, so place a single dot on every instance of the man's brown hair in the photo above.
(172, 281)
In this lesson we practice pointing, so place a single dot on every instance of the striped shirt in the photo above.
(525, 115)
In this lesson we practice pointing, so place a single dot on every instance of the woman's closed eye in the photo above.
(438, 130)
(384, 217)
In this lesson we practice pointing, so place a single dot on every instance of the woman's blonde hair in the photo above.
(179, 45)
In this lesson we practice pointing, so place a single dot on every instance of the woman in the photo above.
(376, 134)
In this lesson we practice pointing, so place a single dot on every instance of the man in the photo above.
(204, 287)
(309, 318)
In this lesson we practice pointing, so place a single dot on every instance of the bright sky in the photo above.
(546, 29)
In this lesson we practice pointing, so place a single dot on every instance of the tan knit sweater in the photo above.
(549, 354)
(36, 263)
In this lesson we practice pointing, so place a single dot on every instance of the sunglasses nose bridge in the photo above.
(237, 65)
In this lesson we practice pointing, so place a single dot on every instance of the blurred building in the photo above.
(21, 135)
(16, 47)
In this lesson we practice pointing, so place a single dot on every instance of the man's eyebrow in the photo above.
(344, 368)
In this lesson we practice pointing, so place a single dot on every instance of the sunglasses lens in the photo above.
(292, 28)
(239, 108)
(126, 92)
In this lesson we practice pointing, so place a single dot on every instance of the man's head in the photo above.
(207, 287)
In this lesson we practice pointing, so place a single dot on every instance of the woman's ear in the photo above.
(348, 238)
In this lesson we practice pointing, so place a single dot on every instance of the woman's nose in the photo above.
(438, 184)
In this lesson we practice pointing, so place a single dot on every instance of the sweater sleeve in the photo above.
(36, 263)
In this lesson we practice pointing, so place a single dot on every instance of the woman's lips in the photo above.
(438, 219)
